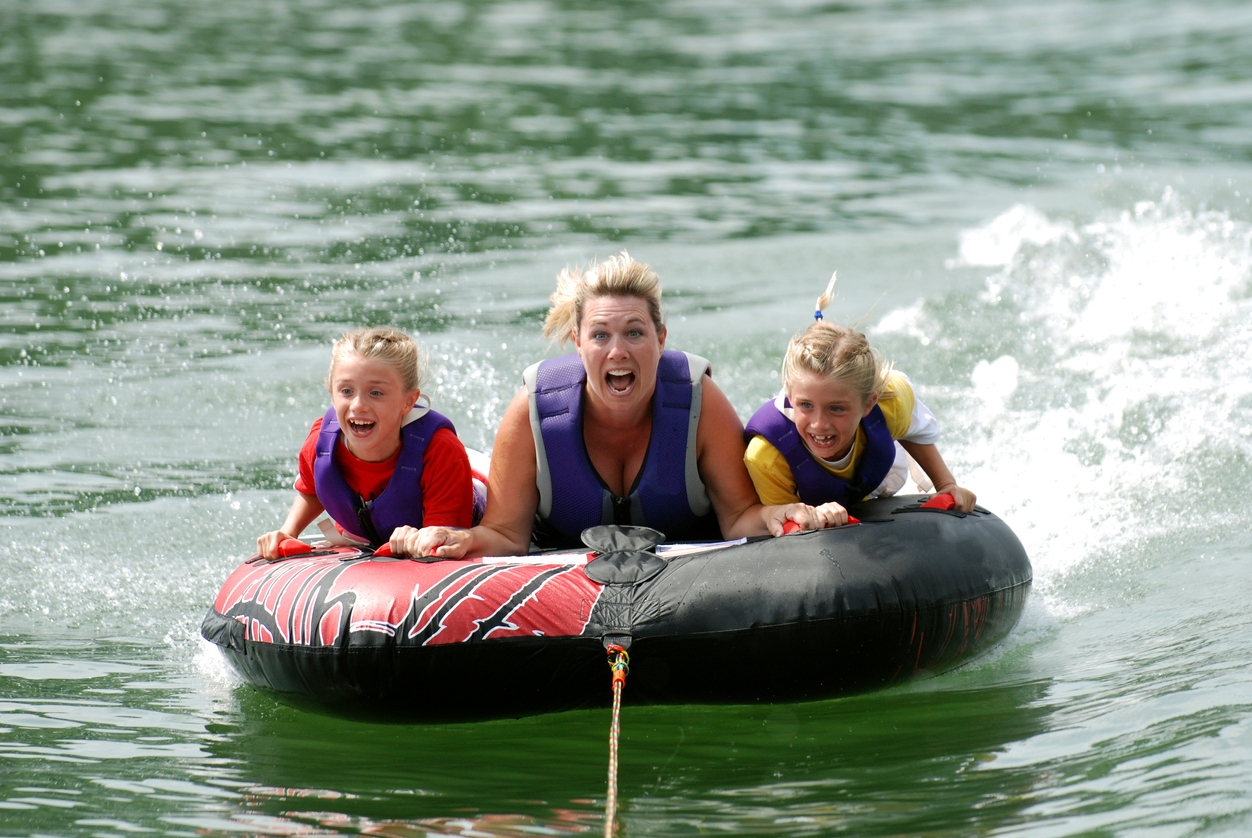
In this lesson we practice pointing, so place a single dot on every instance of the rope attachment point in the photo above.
(619, 663)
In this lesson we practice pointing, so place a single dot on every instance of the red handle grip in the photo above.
(944, 501)
(293, 547)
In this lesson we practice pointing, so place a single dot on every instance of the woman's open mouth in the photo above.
(620, 381)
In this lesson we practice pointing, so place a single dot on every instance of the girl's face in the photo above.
(827, 412)
(620, 348)
(370, 403)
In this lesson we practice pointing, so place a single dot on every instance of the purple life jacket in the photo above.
(668, 494)
(815, 484)
(399, 504)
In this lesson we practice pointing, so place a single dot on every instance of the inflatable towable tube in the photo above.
(807, 616)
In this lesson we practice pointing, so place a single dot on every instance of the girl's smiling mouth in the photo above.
(822, 444)
(360, 426)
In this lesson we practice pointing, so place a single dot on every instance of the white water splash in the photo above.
(994, 384)
(996, 244)
(1124, 411)
(218, 677)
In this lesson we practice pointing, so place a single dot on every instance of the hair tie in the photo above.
(824, 299)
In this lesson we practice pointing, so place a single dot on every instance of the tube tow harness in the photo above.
(626, 558)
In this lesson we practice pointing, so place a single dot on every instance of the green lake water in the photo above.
(1039, 211)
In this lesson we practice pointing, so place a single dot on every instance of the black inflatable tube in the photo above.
(803, 617)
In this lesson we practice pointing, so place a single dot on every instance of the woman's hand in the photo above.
(440, 542)
(965, 499)
(267, 545)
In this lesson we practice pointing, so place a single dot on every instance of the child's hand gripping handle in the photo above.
(944, 501)
(293, 547)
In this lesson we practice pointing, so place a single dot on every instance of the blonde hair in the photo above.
(391, 346)
(617, 276)
(830, 351)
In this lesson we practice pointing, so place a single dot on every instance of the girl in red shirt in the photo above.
(375, 428)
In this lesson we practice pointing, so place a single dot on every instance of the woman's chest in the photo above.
(617, 454)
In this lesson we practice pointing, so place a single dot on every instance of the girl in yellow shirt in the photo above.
(839, 429)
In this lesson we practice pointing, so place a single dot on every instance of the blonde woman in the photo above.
(622, 431)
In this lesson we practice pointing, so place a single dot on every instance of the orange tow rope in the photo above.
(619, 661)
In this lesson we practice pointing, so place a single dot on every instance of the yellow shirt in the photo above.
(772, 476)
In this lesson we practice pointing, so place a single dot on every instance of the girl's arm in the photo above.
(927, 456)
(512, 499)
(303, 510)
(719, 451)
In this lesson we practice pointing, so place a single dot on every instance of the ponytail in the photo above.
(830, 351)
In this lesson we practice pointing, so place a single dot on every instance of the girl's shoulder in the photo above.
(309, 447)
(445, 441)
(898, 385)
(897, 402)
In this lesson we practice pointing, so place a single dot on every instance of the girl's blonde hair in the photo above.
(391, 346)
(830, 351)
(617, 276)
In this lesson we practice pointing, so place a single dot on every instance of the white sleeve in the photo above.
(896, 477)
(923, 426)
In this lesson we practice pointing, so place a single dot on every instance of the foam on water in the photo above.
(137, 570)
(1119, 407)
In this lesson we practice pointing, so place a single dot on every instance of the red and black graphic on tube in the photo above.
(324, 601)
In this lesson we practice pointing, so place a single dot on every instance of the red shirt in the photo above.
(447, 486)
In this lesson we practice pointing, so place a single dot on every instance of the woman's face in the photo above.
(620, 348)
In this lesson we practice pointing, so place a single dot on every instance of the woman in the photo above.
(605, 436)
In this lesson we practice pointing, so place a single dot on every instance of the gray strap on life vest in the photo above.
(543, 477)
(697, 497)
